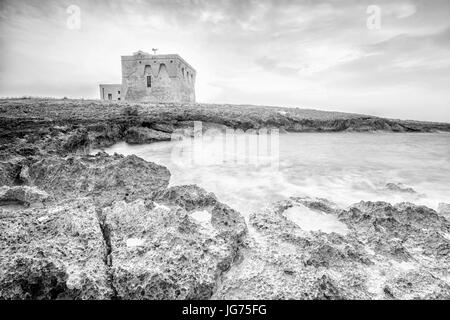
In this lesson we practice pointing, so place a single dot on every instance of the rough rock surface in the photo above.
(99, 234)
(22, 195)
(10, 171)
(399, 187)
(391, 252)
(444, 209)
(175, 250)
(48, 126)
(106, 178)
(140, 135)
(74, 226)
(56, 252)
(60, 250)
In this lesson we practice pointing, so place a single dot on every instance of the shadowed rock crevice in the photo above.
(106, 233)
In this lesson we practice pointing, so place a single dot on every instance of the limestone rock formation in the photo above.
(141, 135)
(108, 228)
(75, 226)
(34, 126)
(444, 209)
(175, 250)
(163, 127)
(10, 171)
(55, 252)
(105, 178)
(399, 187)
(22, 195)
(390, 252)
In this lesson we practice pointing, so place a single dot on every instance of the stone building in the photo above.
(110, 92)
(153, 78)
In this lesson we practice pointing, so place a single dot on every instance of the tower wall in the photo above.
(171, 78)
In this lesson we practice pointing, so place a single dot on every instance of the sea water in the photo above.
(342, 167)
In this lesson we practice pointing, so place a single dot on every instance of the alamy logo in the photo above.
(374, 19)
(74, 20)
(215, 146)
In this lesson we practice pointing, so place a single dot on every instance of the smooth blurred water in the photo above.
(342, 167)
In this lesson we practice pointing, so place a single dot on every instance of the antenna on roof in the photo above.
(154, 50)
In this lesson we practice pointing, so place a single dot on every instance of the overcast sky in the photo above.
(312, 54)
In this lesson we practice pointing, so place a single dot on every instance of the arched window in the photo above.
(163, 76)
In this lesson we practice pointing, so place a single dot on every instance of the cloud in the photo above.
(272, 65)
(420, 60)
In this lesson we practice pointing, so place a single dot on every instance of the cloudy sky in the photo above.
(312, 54)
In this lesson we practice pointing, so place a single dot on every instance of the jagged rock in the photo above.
(53, 253)
(23, 195)
(390, 252)
(444, 209)
(36, 118)
(188, 197)
(10, 171)
(76, 140)
(372, 215)
(104, 135)
(163, 127)
(106, 178)
(60, 126)
(25, 149)
(140, 135)
(318, 204)
(417, 284)
(192, 197)
(399, 187)
(187, 244)
(24, 175)
(175, 250)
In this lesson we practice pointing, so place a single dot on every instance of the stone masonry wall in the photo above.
(110, 92)
(171, 78)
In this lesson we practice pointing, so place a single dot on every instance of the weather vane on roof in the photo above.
(154, 50)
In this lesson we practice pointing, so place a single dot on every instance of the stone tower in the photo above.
(153, 78)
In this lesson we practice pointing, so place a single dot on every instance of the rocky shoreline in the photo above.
(79, 226)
